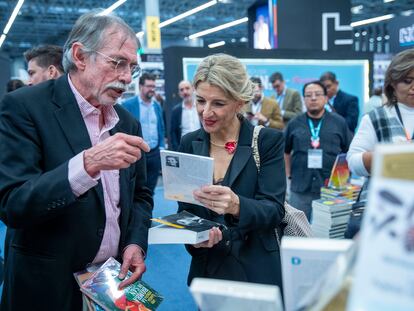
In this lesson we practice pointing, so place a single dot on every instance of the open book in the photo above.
(182, 173)
(181, 228)
(304, 261)
(223, 295)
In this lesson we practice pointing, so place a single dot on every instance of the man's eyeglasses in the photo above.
(310, 95)
(121, 65)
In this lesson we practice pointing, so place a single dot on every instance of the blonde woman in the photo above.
(248, 202)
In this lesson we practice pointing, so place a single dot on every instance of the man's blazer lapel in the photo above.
(286, 100)
(68, 114)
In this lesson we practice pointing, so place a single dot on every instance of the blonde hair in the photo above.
(227, 73)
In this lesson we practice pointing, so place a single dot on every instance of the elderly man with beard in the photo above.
(184, 117)
(312, 142)
(72, 171)
(149, 112)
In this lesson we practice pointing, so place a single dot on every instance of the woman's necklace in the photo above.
(230, 146)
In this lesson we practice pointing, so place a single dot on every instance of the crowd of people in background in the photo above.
(81, 150)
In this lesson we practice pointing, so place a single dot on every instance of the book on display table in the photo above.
(224, 295)
(304, 261)
(384, 274)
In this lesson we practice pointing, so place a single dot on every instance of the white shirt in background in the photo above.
(365, 138)
(189, 120)
(373, 102)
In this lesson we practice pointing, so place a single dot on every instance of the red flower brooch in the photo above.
(230, 146)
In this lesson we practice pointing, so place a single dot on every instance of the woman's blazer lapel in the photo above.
(243, 152)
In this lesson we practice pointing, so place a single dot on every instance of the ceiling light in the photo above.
(386, 1)
(372, 20)
(13, 16)
(10, 22)
(188, 13)
(407, 13)
(218, 28)
(112, 7)
(357, 9)
(214, 45)
(2, 38)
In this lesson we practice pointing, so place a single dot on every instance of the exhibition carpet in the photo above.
(167, 265)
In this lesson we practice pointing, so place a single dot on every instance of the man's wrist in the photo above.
(90, 168)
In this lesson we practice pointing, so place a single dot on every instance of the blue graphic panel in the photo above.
(352, 74)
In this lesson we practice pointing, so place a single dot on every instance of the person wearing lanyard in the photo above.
(312, 142)
(393, 122)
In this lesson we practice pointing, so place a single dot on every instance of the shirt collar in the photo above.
(110, 116)
(184, 106)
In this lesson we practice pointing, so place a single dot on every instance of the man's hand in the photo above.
(115, 152)
(133, 260)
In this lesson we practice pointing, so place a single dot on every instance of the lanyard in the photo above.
(315, 133)
(407, 135)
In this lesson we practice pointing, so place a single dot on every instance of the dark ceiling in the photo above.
(49, 21)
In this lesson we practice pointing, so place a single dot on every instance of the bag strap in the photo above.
(255, 147)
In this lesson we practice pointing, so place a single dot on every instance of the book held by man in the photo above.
(102, 288)
(182, 173)
(181, 228)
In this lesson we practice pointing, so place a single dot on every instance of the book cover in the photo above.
(340, 173)
(304, 261)
(102, 288)
(183, 173)
(81, 277)
(181, 228)
(223, 295)
(384, 274)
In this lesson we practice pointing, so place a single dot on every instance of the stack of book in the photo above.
(330, 217)
(349, 191)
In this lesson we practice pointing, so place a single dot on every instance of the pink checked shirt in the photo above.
(81, 182)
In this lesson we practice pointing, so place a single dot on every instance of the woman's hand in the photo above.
(219, 199)
(214, 236)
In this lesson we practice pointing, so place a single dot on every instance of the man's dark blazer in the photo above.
(55, 233)
(175, 126)
(347, 106)
(249, 250)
